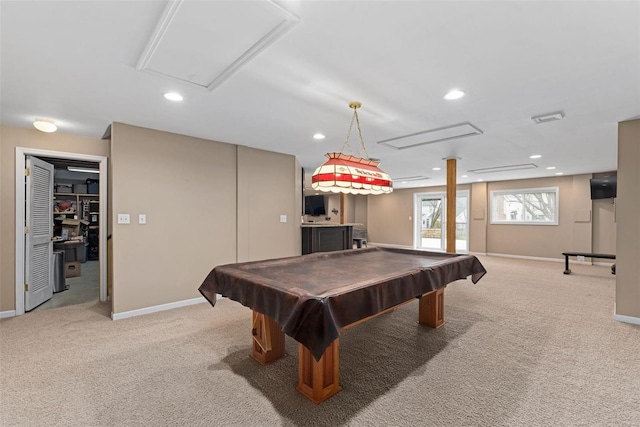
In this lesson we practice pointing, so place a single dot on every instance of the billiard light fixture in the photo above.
(45, 126)
(349, 174)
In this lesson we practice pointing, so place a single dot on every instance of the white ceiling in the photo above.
(269, 75)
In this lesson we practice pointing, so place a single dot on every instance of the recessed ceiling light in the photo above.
(550, 168)
(172, 96)
(559, 173)
(535, 156)
(464, 176)
(479, 180)
(454, 94)
(403, 182)
(318, 136)
(436, 169)
(45, 126)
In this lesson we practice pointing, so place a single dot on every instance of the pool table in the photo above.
(312, 298)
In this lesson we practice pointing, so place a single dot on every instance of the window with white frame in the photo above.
(538, 206)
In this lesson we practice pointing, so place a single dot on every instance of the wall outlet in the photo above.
(123, 219)
(580, 258)
(283, 218)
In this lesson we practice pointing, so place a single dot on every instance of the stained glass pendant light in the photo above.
(349, 174)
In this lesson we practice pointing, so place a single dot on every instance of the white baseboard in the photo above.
(9, 313)
(478, 253)
(604, 264)
(627, 319)
(534, 258)
(156, 308)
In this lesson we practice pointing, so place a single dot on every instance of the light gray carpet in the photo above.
(526, 346)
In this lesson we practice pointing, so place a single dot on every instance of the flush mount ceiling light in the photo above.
(349, 174)
(45, 126)
(172, 96)
(546, 118)
(318, 136)
(454, 94)
(436, 169)
(78, 169)
(535, 156)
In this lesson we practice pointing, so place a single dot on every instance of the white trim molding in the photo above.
(20, 197)
(535, 258)
(626, 319)
(8, 313)
(157, 308)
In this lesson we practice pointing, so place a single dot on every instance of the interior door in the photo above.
(38, 275)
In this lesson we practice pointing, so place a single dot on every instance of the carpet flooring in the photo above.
(525, 346)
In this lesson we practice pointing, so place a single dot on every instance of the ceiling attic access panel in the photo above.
(204, 43)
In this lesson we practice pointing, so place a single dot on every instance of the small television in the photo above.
(314, 205)
(604, 187)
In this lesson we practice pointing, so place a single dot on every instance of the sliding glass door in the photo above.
(430, 221)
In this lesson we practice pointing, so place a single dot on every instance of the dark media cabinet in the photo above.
(326, 237)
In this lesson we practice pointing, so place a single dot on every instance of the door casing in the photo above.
(417, 208)
(21, 153)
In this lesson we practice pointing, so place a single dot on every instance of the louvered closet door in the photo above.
(39, 248)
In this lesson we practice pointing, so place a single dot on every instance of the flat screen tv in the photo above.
(604, 187)
(314, 205)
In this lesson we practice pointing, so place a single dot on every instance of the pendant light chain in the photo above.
(355, 106)
(364, 148)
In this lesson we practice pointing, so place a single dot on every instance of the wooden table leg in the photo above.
(319, 380)
(268, 339)
(432, 309)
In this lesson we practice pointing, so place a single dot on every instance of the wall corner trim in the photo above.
(9, 313)
(156, 308)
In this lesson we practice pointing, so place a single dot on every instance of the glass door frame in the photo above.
(417, 222)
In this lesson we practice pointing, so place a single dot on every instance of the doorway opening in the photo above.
(430, 225)
(83, 212)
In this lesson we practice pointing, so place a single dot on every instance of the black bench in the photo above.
(586, 255)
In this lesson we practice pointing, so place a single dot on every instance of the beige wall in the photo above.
(604, 227)
(478, 217)
(10, 138)
(604, 222)
(628, 220)
(573, 232)
(206, 205)
(388, 216)
(187, 189)
(388, 220)
(360, 210)
(266, 191)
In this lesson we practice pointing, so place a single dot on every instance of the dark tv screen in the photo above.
(314, 205)
(603, 188)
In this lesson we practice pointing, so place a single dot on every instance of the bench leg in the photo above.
(566, 265)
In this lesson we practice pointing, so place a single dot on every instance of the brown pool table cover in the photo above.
(313, 296)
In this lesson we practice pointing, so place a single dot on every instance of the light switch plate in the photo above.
(283, 218)
(142, 219)
(123, 219)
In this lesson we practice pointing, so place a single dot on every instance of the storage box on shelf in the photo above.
(78, 214)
